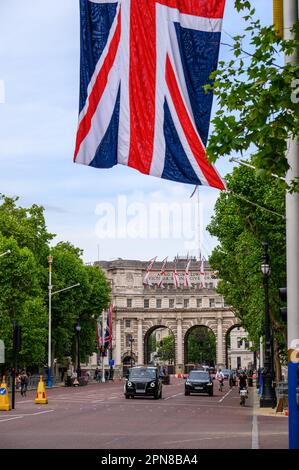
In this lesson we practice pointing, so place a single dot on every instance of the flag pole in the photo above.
(292, 230)
(103, 347)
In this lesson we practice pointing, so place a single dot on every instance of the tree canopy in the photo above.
(24, 288)
(258, 104)
(241, 228)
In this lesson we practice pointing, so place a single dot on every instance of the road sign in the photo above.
(2, 391)
(111, 362)
(2, 352)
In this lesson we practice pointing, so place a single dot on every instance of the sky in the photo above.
(115, 213)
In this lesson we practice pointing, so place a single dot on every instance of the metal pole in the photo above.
(50, 259)
(78, 355)
(102, 348)
(267, 396)
(292, 223)
(13, 375)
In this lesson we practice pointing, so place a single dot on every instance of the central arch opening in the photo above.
(199, 347)
(159, 347)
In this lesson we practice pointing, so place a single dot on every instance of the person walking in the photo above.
(24, 383)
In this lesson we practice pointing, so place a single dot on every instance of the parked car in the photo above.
(199, 381)
(143, 381)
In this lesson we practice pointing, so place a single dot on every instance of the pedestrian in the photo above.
(24, 383)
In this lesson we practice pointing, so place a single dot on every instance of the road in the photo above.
(99, 417)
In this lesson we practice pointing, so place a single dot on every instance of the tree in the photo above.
(201, 346)
(257, 100)
(241, 228)
(24, 288)
(84, 303)
(166, 349)
(21, 299)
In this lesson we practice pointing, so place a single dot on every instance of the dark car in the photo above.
(226, 373)
(143, 381)
(199, 381)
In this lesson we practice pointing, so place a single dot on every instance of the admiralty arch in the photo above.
(139, 309)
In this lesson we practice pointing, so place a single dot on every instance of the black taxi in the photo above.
(143, 381)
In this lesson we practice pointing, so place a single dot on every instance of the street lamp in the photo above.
(131, 339)
(78, 329)
(266, 400)
(50, 260)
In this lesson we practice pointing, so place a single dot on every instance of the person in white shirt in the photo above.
(220, 378)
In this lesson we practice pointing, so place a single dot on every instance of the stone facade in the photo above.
(239, 354)
(139, 309)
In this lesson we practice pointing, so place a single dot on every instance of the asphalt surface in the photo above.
(99, 417)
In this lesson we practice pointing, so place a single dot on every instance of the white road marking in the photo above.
(172, 396)
(221, 400)
(255, 433)
(25, 415)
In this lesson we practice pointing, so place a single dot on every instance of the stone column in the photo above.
(220, 356)
(140, 343)
(179, 358)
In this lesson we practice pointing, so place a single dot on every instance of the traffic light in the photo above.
(283, 310)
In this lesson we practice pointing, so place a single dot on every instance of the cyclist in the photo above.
(242, 382)
(220, 378)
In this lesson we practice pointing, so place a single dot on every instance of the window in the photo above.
(128, 323)
(212, 303)
(186, 303)
(199, 303)
(146, 303)
(171, 303)
(159, 303)
(129, 303)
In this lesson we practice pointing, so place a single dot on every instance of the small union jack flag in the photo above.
(144, 64)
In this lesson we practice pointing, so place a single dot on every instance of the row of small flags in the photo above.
(176, 281)
(104, 333)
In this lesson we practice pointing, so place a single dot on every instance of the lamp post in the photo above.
(78, 329)
(131, 339)
(266, 400)
(50, 260)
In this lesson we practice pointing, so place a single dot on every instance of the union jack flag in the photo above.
(104, 337)
(162, 273)
(142, 104)
(187, 282)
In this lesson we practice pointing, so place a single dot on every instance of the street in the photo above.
(99, 417)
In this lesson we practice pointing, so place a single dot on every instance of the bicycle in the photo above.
(221, 385)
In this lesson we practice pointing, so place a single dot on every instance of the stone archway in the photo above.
(147, 334)
(227, 334)
(206, 358)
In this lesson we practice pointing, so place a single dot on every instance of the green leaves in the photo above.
(241, 228)
(254, 92)
(24, 288)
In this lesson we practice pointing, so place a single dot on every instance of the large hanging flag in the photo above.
(104, 331)
(187, 282)
(144, 64)
(108, 332)
(146, 279)
(162, 273)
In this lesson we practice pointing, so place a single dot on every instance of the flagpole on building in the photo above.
(290, 14)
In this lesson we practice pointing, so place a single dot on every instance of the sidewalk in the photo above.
(258, 411)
